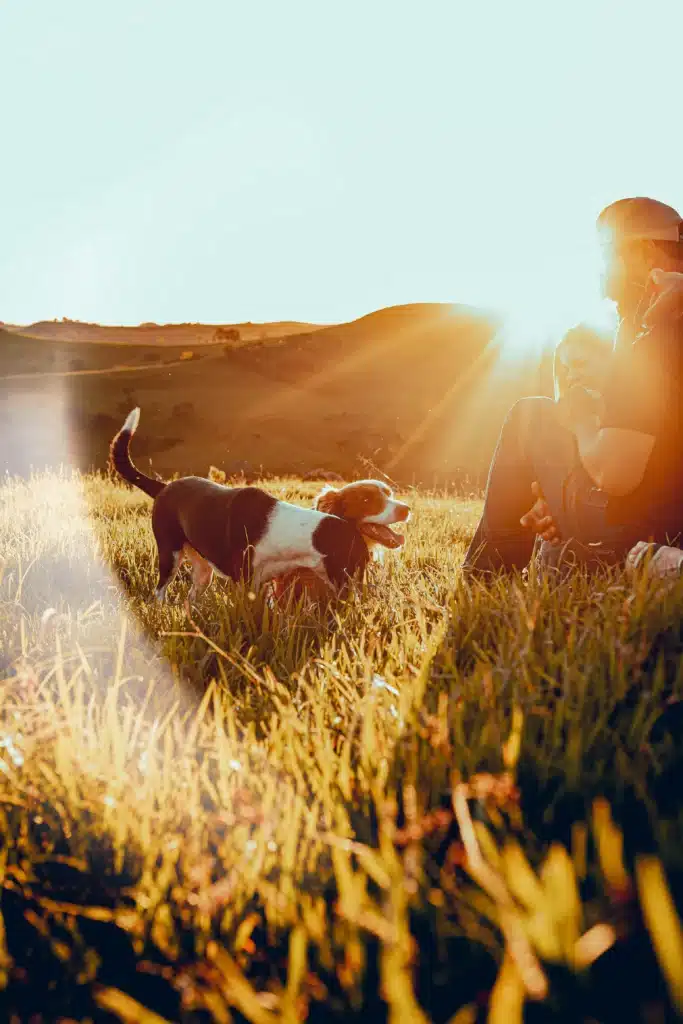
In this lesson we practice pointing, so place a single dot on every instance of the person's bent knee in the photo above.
(530, 414)
(531, 408)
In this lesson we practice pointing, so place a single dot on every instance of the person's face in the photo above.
(625, 271)
(581, 363)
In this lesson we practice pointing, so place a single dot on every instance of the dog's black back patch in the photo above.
(250, 515)
(221, 523)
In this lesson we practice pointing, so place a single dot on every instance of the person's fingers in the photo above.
(536, 489)
(542, 524)
(539, 518)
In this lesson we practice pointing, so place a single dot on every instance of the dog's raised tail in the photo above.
(119, 454)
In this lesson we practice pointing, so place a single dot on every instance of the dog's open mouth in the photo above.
(382, 535)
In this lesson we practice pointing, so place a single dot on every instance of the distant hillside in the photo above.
(418, 391)
(32, 354)
(157, 334)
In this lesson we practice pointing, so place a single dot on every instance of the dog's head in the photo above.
(369, 504)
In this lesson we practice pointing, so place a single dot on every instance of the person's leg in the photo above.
(533, 445)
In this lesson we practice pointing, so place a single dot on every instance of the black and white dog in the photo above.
(246, 533)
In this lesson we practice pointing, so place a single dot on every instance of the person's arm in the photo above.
(642, 403)
(615, 457)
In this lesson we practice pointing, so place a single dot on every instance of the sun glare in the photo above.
(553, 290)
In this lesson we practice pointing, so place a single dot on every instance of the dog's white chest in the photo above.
(289, 532)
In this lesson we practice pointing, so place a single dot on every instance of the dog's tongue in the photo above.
(382, 534)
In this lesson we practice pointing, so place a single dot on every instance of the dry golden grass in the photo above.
(272, 815)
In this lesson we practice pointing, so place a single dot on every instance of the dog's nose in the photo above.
(402, 511)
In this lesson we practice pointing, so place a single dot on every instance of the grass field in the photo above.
(442, 802)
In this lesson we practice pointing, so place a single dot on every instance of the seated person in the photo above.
(581, 358)
(606, 458)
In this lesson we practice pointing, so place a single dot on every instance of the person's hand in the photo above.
(581, 406)
(539, 518)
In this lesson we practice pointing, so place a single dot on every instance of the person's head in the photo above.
(636, 236)
(581, 357)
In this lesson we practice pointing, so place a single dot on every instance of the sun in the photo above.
(543, 301)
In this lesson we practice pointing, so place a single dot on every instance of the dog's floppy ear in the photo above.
(327, 500)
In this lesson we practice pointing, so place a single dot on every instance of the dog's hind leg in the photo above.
(170, 538)
(169, 562)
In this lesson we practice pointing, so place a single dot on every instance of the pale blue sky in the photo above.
(222, 161)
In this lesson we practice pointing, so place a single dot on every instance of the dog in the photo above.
(372, 508)
(244, 533)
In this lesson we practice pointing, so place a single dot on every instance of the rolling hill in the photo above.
(418, 391)
(156, 334)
